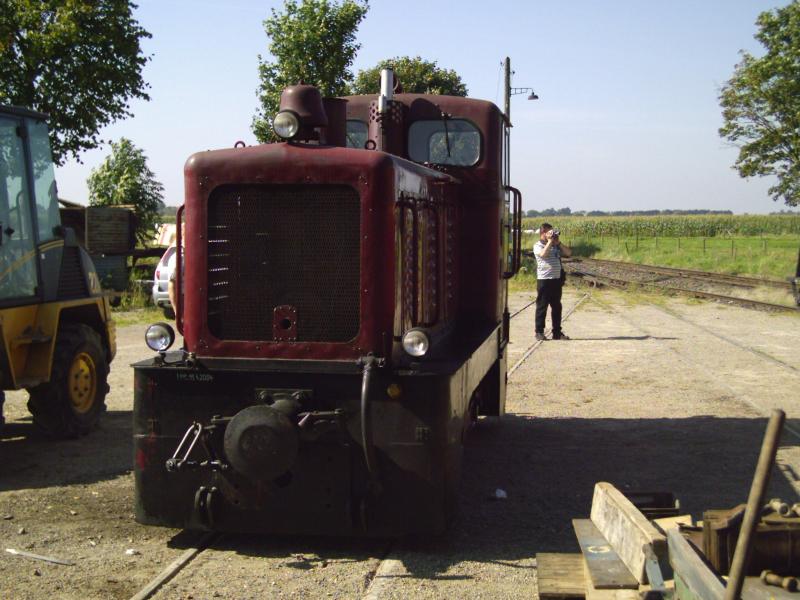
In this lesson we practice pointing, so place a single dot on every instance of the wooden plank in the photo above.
(667, 523)
(626, 529)
(592, 593)
(694, 577)
(108, 230)
(607, 570)
(560, 576)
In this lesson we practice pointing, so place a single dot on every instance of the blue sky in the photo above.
(627, 117)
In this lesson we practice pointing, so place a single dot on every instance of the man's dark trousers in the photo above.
(549, 294)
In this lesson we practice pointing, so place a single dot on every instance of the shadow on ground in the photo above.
(29, 459)
(548, 468)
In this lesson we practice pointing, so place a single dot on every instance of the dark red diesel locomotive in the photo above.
(344, 317)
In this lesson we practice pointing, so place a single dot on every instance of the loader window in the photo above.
(444, 142)
(44, 182)
(17, 245)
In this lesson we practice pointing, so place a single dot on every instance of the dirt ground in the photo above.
(650, 393)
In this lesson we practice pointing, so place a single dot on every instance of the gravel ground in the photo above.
(667, 395)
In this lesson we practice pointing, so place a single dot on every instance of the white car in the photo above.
(161, 282)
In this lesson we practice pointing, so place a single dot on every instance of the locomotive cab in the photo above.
(344, 319)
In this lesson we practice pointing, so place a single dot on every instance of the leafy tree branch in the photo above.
(761, 105)
(79, 61)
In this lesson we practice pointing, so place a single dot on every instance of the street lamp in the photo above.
(514, 91)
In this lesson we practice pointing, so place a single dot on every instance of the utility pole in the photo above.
(508, 90)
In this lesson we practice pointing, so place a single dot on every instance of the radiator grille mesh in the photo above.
(71, 282)
(275, 245)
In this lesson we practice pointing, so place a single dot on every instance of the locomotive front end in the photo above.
(321, 387)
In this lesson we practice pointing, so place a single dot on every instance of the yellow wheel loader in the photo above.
(56, 329)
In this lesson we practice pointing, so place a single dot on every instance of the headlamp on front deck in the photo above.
(286, 124)
(159, 337)
(416, 342)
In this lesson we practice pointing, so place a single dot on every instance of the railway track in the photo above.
(381, 579)
(755, 401)
(692, 274)
(617, 273)
(375, 589)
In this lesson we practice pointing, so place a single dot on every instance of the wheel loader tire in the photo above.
(70, 404)
(169, 312)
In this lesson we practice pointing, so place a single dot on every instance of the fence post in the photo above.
(679, 243)
(732, 247)
(656, 241)
(704, 245)
(627, 250)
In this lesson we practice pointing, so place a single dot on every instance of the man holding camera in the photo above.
(550, 277)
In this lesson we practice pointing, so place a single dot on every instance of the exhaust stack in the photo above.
(386, 117)
(387, 89)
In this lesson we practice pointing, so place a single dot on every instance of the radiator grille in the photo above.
(278, 245)
(71, 282)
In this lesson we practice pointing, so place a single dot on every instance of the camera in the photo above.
(556, 232)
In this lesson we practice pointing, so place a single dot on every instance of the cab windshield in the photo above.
(445, 142)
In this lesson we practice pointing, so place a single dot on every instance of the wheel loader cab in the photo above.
(55, 323)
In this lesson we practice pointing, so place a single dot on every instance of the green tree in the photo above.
(79, 61)
(761, 105)
(125, 179)
(416, 75)
(311, 41)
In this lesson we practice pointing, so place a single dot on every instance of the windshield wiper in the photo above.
(445, 117)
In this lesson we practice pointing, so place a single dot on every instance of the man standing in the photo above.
(550, 279)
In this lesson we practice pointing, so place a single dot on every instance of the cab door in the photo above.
(18, 256)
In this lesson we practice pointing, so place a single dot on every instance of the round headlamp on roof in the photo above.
(304, 103)
(286, 124)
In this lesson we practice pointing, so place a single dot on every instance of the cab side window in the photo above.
(18, 277)
(44, 182)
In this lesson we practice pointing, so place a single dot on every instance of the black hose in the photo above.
(373, 487)
(366, 431)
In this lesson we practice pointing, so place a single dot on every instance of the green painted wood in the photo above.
(605, 567)
(694, 577)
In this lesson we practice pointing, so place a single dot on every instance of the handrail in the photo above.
(179, 266)
(516, 233)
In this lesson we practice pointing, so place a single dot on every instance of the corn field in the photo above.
(672, 225)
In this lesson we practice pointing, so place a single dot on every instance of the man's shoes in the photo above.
(540, 337)
(560, 336)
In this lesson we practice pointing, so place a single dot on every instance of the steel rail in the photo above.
(528, 305)
(378, 582)
(737, 280)
(165, 576)
(708, 330)
(532, 348)
(679, 356)
(598, 279)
